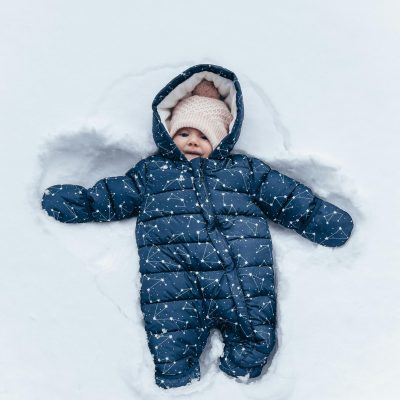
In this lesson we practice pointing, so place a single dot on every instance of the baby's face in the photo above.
(192, 143)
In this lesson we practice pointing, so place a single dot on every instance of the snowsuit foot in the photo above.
(243, 356)
(176, 356)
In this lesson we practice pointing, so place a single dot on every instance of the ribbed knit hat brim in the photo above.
(209, 115)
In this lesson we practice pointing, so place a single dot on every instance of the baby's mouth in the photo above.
(193, 153)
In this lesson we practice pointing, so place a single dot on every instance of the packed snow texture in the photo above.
(319, 107)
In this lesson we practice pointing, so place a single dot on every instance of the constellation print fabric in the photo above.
(204, 243)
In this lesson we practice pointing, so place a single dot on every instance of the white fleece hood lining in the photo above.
(225, 87)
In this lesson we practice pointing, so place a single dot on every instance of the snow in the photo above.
(320, 83)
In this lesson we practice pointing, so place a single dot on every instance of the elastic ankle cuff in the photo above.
(234, 370)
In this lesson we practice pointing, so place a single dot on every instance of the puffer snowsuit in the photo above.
(203, 239)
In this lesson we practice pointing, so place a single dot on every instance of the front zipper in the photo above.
(203, 180)
(233, 274)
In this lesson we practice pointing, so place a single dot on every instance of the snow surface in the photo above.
(321, 92)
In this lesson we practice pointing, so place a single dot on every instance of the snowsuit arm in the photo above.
(293, 205)
(110, 199)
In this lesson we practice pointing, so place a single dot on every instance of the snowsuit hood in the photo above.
(180, 87)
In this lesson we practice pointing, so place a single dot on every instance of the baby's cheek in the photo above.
(208, 150)
(177, 142)
(180, 146)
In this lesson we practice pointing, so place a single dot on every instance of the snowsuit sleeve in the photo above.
(110, 199)
(294, 206)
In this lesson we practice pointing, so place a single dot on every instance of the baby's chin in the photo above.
(191, 156)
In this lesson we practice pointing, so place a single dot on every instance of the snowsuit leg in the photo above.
(247, 355)
(176, 335)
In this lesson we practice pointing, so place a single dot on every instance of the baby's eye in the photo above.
(183, 134)
(205, 138)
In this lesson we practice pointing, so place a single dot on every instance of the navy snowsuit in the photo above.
(203, 240)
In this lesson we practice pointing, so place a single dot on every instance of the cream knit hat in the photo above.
(203, 111)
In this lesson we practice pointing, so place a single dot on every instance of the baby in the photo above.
(202, 234)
